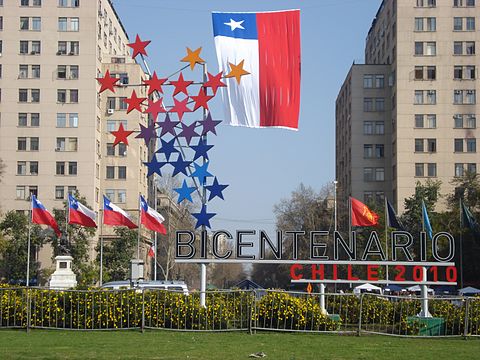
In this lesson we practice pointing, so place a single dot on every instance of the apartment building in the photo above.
(54, 126)
(425, 52)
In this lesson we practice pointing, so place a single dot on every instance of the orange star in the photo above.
(237, 71)
(121, 135)
(193, 57)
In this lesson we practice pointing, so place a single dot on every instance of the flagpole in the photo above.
(203, 267)
(155, 252)
(350, 223)
(101, 247)
(424, 291)
(386, 236)
(461, 244)
(139, 224)
(28, 248)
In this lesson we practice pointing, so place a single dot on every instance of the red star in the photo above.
(139, 46)
(107, 82)
(180, 85)
(154, 83)
(201, 100)
(214, 82)
(180, 107)
(121, 135)
(155, 107)
(134, 102)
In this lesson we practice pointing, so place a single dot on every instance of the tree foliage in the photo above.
(13, 247)
(117, 254)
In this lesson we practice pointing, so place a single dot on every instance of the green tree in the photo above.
(13, 250)
(305, 210)
(117, 254)
(75, 243)
(467, 188)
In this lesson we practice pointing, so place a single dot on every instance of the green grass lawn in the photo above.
(50, 344)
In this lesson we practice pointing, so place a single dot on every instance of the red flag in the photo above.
(362, 215)
(40, 215)
(151, 251)
(151, 219)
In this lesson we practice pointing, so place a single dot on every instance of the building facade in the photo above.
(54, 127)
(425, 52)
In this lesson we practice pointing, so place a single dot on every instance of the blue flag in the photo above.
(393, 220)
(469, 220)
(426, 221)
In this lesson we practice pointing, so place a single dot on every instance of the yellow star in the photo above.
(237, 71)
(193, 57)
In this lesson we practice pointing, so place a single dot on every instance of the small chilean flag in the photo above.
(79, 214)
(151, 251)
(151, 219)
(113, 215)
(269, 44)
(40, 215)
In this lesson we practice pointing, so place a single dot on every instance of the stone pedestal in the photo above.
(63, 277)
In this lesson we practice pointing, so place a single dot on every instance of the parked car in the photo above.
(172, 285)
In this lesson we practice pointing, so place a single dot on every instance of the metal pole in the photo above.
(139, 225)
(424, 292)
(461, 245)
(101, 248)
(203, 267)
(155, 246)
(28, 248)
(386, 237)
(322, 299)
(335, 182)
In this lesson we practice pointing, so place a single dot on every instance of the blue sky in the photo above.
(262, 166)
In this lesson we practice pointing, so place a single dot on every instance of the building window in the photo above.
(458, 145)
(28, 119)
(368, 151)
(464, 72)
(419, 170)
(123, 105)
(463, 3)
(379, 151)
(367, 81)
(373, 174)
(432, 170)
(464, 97)
(425, 24)
(428, 48)
(66, 144)
(432, 145)
(426, 3)
(122, 172)
(471, 145)
(464, 121)
(419, 145)
(68, 48)
(110, 172)
(70, 94)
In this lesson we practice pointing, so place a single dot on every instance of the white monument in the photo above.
(63, 277)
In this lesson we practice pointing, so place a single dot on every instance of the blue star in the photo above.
(168, 148)
(216, 189)
(201, 149)
(180, 166)
(203, 218)
(184, 192)
(154, 166)
(201, 172)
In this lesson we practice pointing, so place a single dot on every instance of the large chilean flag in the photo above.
(150, 218)
(80, 214)
(269, 42)
(113, 215)
(40, 215)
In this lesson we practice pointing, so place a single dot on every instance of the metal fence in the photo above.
(237, 310)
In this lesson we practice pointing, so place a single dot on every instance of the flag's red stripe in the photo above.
(115, 218)
(279, 68)
(43, 217)
(77, 217)
(152, 224)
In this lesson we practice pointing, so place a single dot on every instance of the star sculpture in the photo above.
(180, 166)
(155, 166)
(121, 135)
(139, 46)
(203, 218)
(188, 132)
(147, 133)
(237, 71)
(184, 192)
(201, 172)
(134, 102)
(107, 82)
(180, 85)
(209, 125)
(216, 189)
(154, 84)
(201, 149)
(193, 57)
(180, 107)
(201, 99)
(214, 82)
(154, 108)
(167, 148)
(168, 126)
(235, 24)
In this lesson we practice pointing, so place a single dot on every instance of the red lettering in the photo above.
(335, 274)
(320, 271)
(451, 274)
(434, 271)
(372, 272)
(349, 274)
(293, 271)
(417, 273)
(401, 273)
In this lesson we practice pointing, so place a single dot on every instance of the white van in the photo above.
(178, 286)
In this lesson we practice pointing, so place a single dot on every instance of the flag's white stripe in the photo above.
(241, 102)
(117, 209)
(82, 208)
(155, 215)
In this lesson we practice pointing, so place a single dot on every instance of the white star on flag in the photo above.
(235, 24)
